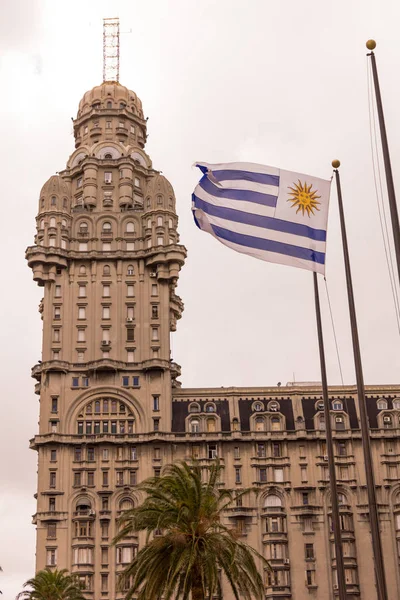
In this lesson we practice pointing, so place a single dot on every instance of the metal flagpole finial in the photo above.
(371, 45)
(336, 164)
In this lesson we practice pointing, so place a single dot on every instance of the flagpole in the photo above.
(371, 45)
(331, 455)
(365, 433)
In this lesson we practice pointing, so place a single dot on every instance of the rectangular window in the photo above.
(305, 498)
(132, 478)
(106, 247)
(278, 475)
(90, 454)
(154, 311)
(106, 291)
(344, 473)
(154, 289)
(85, 381)
(238, 475)
(196, 453)
(90, 478)
(108, 124)
(137, 182)
(341, 449)
(309, 551)
(130, 312)
(56, 335)
(133, 453)
(105, 477)
(81, 335)
(262, 475)
(106, 312)
(82, 246)
(104, 582)
(107, 177)
(105, 454)
(81, 312)
(53, 455)
(236, 452)
(82, 291)
(303, 474)
(57, 312)
(53, 476)
(157, 472)
(75, 382)
(80, 427)
(132, 129)
(310, 577)
(160, 240)
(120, 478)
(125, 381)
(104, 555)
(51, 557)
(54, 405)
(130, 356)
(130, 334)
(52, 505)
(78, 454)
(261, 451)
(156, 402)
(130, 290)
(130, 246)
(156, 424)
(104, 529)
(212, 451)
(79, 182)
(136, 381)
(77, 478)
(276, 449)
(154, 333)
(57, 293)
(52, 530)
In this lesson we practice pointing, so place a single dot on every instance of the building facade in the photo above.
(112, 411)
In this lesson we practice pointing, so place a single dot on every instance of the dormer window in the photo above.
(319, 405)
(108, 156)
(210, 408)
(258, 406)
(273, 406)
(382, 404)
(337, 405)
(194, 407)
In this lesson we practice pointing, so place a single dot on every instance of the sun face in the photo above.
(304, 198)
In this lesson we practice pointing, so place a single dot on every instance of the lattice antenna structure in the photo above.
(111, 49)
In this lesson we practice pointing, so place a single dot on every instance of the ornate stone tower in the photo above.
(107, 255)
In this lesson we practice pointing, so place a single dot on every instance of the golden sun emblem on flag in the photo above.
(304, 197)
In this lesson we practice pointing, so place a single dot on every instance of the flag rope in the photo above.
(334, 331)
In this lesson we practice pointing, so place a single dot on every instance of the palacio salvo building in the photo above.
(107, 254)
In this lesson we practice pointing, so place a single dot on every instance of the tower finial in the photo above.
(111, 49)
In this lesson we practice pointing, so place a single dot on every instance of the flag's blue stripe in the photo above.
(240, 216)
(248, 241)
(235, 174)
(247, 195)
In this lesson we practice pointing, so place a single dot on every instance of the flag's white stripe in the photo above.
(249, 207)
(242, 184)
(241, 166)
(266, 234)
(274, 257)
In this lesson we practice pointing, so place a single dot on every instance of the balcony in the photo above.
(86, 513)
(240, 511)
(278, 591)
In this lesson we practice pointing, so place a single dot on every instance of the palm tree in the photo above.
(52, 585)
(195, 546)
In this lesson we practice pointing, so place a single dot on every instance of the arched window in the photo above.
(108, 156)
(272, 500)
(195, 426)
(52, 241)
(211, 425)
(82, 270)
(106, 270)
(257, 406)
(65, 203)
(235, 425)
(339, 423)
(83, 226)
(342, 498)
(89, 409)
(109, 104)
(41, 224)
(273, 405)
(126, 504)
(63, 222)
(319, 405)
(260, 424)
(97, 406)
(159, 221)
(53, 201)
(194, 407)
(396, 404)
(337, 405)
(210, 408)
(83, 506)
(387, 421)
(275, 424)
(52, 222)
(148, 223)
(130, 227)
(382, 404)
(122, 105)
(106, 226)
(130, 270)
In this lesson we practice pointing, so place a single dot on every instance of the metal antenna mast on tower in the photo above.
(111, 49)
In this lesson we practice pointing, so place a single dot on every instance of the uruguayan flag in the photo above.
(274, 215)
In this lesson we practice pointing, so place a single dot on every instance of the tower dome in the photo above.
(110, 92)
(160, 193)
(55, 185)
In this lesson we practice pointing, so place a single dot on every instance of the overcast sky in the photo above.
(281, 83)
